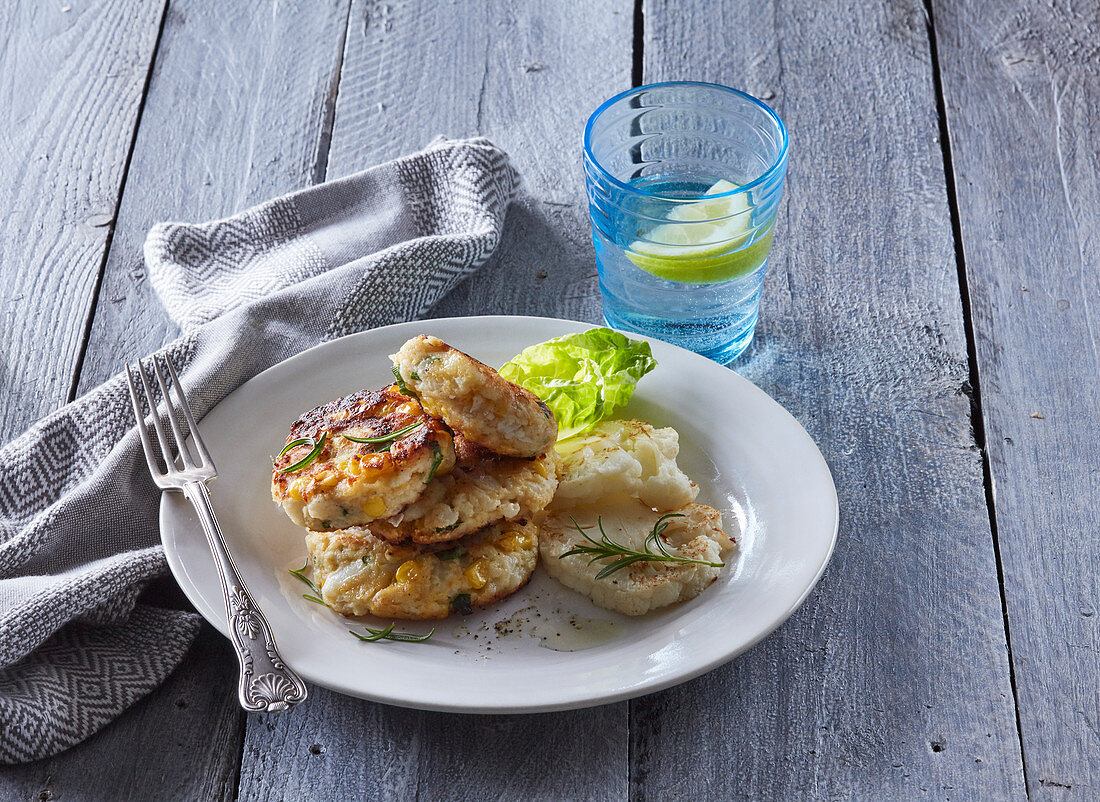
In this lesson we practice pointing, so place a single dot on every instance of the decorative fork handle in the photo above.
(266, 684)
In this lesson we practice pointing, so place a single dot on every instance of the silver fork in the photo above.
(266, 683)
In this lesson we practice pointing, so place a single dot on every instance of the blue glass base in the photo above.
(723, 346)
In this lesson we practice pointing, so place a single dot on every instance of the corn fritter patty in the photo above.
(482, 488)
(474, 399)
(350, 482)
(359, 574)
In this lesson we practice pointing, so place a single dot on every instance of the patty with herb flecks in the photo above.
(474, 399)
(359, 458)
(359, 574)
(482, 488)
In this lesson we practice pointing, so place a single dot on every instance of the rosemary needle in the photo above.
(383, 438)
(300, 573)
(607, 549)
(404, 388)
(389, 634)
(318, 447)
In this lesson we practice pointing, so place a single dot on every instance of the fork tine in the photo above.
(181, 444)
(169, 462)
(200, 446)
(143, 430)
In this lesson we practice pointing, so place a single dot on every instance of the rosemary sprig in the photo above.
(300, 573)
(318, 447)
(301, 441)
(437, 460)
(404, 388)
(606, 548)
(389, 634)
(383, 438)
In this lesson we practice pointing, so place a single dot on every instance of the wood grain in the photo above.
(171, 745)
(339, 748)
(71, 82)
(526, 76)
(1021, 85)
(892, 681)
(238, 110)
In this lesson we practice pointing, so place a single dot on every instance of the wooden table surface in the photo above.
(929, 316)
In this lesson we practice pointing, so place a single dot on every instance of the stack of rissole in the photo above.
(422, 498)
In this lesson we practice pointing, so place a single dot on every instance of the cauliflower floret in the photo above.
(644, 586)
(624, 458)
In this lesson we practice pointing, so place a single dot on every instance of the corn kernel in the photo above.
(540, 466)
(407, 571)
(409, 408)
(475, 575)
(328, 479)
(376, 461)
(375, 507)
(295, 490)
(516, 541)
(350, 466)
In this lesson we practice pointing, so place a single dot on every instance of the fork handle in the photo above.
(266, 683)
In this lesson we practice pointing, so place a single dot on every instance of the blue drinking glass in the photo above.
(684, 180)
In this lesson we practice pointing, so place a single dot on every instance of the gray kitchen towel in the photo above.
(78, 510)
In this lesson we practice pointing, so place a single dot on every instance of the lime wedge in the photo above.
(703, 241)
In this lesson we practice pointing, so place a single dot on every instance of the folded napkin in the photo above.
(78, 510)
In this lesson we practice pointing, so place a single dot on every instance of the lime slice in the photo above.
(703, 242)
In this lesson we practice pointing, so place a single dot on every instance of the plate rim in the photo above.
(642, 688)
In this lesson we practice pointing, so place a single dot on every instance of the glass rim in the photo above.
(768, 110)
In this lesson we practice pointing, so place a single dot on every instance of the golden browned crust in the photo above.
(359, 574)
(476, 400)
(351, 482)
(483, 487)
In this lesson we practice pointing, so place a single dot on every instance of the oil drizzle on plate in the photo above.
(574, 634)
(560, 631)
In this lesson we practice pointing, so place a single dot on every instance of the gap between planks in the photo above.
(318, 175)
(637, 76)
(977, 419)
(89, 318)
(324, 142)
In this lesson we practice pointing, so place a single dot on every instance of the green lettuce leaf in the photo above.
(582, 377)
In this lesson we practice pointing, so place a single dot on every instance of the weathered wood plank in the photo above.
(892, 682)
(170, 745)
(238, 110)
(71, 82)
(1021, 84)
(339, 748)
(526, 76)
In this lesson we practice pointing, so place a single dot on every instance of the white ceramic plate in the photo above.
(752, 460)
